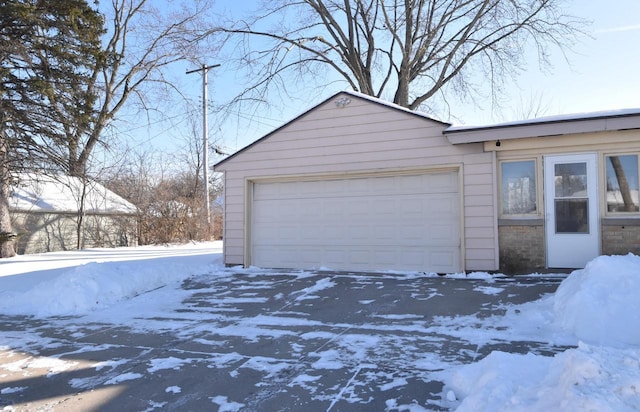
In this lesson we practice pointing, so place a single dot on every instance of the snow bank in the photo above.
(583, 379)
(601, 303)
(98, 285)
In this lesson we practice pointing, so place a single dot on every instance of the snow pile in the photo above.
(583, 379)
(599, 305)
(98, 285)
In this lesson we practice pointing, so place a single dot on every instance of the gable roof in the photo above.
(625, 119)
(61, 194)
(346, 94)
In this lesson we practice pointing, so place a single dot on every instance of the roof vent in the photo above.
(342, 102)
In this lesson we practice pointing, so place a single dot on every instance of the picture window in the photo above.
(519, 187)
(622, 183)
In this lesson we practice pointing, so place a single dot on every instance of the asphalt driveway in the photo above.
(267, 342)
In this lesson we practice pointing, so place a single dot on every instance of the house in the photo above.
(359, 184)
(45, 211)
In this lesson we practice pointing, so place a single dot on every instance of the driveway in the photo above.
(267, 341)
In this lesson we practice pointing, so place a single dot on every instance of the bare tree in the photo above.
(407, 51)
(143, 38)
(168, 191)
(530, 106)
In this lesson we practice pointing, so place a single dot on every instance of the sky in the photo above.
(599, 74)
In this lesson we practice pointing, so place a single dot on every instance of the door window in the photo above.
(571, 200)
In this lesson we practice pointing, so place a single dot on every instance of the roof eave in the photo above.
(462, 135)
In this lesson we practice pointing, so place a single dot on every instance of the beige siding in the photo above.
(479, 211)
(571, 143)
(363, 137)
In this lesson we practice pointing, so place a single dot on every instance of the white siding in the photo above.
(363, 137)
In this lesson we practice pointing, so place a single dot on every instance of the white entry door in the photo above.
(571, 207)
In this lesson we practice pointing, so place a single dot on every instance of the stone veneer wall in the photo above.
(522, 246)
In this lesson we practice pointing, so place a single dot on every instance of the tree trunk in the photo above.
(401, 97)
(81, 213)
(6, 241)
(623, 184)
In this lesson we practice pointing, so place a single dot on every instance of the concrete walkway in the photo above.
(266, 342)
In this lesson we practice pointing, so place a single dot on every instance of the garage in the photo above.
(359, 184)
(402, 221)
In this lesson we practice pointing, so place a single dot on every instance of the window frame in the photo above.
(605, 192)
(536, 171)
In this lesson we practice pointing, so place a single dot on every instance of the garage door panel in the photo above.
(359, 258)
(403, 222)
(442, 259)
(444, 234)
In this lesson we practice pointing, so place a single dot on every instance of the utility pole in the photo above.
(205, 134)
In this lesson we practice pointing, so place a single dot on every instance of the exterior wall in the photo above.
(50, 232)
(620, 237)
(620, 233)
(522, 246)
(363, 137)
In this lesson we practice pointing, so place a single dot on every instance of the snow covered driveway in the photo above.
(234, 339)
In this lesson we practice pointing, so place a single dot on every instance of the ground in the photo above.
(169, 327)
(264, 340)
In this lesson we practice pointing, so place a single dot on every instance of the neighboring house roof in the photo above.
(625, 119)
(337, 100)
(61, 194)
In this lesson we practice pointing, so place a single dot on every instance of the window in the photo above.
(622, 183)
(519, 187)
(571, 198)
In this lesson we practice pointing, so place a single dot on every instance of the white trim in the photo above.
(586, 246)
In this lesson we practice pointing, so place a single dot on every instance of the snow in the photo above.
(598, 305)
(123, 378)
(595, 311)
(60, 193)
(173, 389)
(603, 114)
(225, 405)
(583, 379)
(101, 278)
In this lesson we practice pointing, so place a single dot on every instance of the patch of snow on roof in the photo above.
(61, 193)
(552, 119)
(393, 105)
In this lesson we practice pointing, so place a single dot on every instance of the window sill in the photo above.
(621, 221)
(521, 221)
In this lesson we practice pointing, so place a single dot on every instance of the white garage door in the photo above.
(399, 222)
